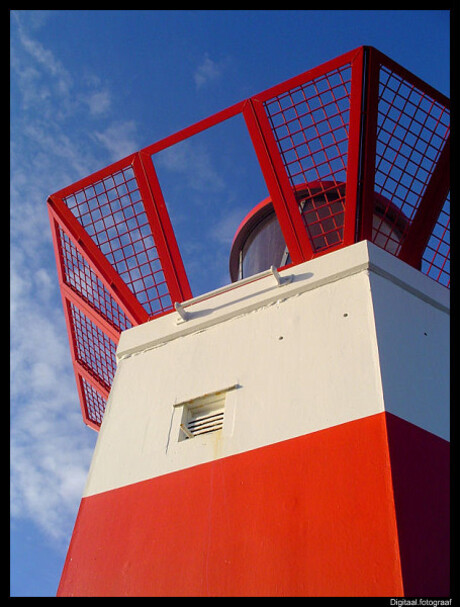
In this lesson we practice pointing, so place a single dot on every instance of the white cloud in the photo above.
(48, 476)
(224, 230)
(44, 64)
(192, 161)
(44, 284)
(50, 446)
(207, 71)
(50, 449)
(119, 139)
(99, 102)
(50, 454)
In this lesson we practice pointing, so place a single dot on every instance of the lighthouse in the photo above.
(286, 434)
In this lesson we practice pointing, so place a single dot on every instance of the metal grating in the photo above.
(94, 404)
(79, 276)
(310, 124)
(112, 212)
(94, 350)
(93, 347)
(412, 129)
(323, 215)
(112, 270)
(436, 257)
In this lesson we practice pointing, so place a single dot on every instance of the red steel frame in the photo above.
(359, 119)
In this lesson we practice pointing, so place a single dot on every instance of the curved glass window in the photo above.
(259, 242)
(263, 248)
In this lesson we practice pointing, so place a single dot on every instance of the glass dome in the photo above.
(259, 243)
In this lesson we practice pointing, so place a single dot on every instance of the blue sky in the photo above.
(89, 87)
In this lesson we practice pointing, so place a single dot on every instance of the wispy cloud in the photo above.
(51, 146)
(99, 102)
(40, 74)
(119, 139)
(192, 160)
(207, 71)
(224, 230)
(50, 454)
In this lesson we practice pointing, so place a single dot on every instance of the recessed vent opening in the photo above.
(202, 416)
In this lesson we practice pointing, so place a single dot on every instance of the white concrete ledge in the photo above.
(262, 289)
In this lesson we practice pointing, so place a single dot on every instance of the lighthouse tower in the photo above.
(286, 434)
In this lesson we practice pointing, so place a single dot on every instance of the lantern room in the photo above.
(355, 149)
(259, 243)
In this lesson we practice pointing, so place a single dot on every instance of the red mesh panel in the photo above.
(94, 350)
(111, 270)
(412, 130)
(323, 214)
(112, 212)
(94, 404)
(310, 124)
(79, 276)
(436, 257)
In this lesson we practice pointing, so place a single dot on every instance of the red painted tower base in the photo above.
(358, 509)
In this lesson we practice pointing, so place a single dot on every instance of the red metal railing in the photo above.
(370, 135)
(412, 150)
(118, 266)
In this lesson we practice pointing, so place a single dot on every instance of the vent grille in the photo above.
(204, 424)
(202, 416)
